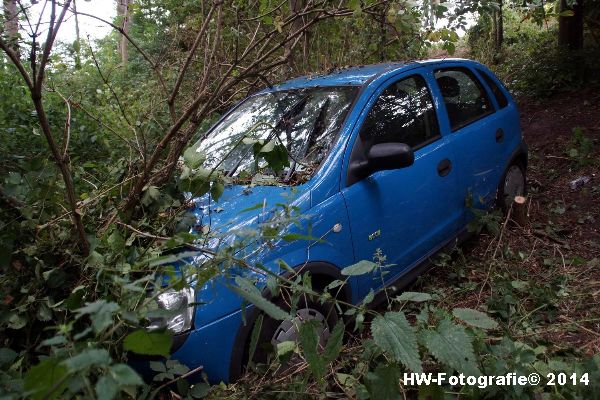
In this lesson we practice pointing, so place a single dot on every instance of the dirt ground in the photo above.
(558, 253)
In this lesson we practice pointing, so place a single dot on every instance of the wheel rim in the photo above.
(289, 329)
(514, 184)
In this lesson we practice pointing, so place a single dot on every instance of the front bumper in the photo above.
(210, 347)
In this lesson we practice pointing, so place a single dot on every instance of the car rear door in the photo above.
(475, 133)
(402, 214)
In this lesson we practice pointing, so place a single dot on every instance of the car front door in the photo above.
(401, 214)
(474, 132)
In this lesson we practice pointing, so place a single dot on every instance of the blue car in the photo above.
(383, 159)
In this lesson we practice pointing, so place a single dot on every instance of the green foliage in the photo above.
(309, 340)
(395, 336)
(531, 63)
(451, 345)
(69, 319)
(148, 343)
(475, 318)
(582, 148)
(250, 292)
(360, 268)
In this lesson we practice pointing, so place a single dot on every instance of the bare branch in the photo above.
(67, 131)
(144, 55)
(52, 31)
(171, 100)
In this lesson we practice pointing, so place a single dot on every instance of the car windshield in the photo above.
(285, 134)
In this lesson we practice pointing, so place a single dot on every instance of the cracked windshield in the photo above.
(284, 135)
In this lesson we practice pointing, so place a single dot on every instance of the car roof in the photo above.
(358, 75)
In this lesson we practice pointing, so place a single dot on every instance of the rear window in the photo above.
(465, 98)
(500, 97)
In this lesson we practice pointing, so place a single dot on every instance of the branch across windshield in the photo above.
(300, 124)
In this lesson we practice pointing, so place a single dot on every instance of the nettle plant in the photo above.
(413, 335)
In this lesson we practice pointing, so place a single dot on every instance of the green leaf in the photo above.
(414, 296)
(475, 318)
(17, 321)
(43, 377)
(148, 343)
(193, 158)
(7, 356)
(250, 292)
(334, 343)
(355, 6)
(106, 388)
(309, 339)
(100, 312)
(396, 337)
(216, 190)
(286, 347)
(360, 268)
(151, 194)
(431, 392)
(277, 158)
(125, 375)
(158, 366)
(255, 336)
(451, 345)
(88, 358)
(383, 383)
(267, 147)
(200, 390)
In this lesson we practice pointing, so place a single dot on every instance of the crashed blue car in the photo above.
(384, 159)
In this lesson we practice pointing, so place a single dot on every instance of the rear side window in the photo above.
(403, 113)
(466, 100)
(500, 97)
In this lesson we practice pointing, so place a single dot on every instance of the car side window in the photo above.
(496, 91)
(403, 113)
(466, 100)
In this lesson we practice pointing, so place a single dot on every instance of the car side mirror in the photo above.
(383, 156)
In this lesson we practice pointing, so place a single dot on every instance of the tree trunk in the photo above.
(295, 6)
(520, 211)
(382, 34)
(125, 23)
(77, 44)
(499, 27)
(570, 28)
(11, 24)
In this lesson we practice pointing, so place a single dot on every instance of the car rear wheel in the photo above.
(513, 184)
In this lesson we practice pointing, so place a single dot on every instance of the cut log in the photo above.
(519, 211)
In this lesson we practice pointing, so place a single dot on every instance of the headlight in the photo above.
(179, 313)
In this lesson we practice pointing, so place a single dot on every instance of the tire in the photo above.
(274, 331)
(513, 183)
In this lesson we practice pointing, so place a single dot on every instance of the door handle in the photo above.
(444, 167)
(499, 135)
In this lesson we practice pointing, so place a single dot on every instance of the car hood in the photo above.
(241, 207)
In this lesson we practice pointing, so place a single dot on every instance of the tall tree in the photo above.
(11, 24)
(123, 14)
(77, 44)
(499, 27)
(570, 24)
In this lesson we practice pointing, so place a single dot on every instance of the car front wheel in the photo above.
(307, 308)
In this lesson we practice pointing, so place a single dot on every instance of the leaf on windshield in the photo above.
(193, 158)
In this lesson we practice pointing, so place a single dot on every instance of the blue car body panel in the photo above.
(407, 213)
